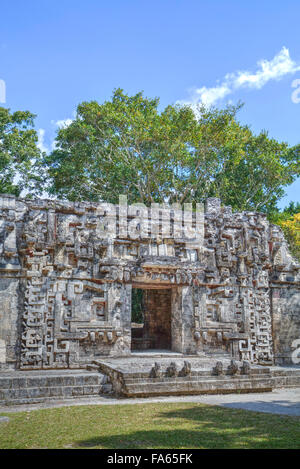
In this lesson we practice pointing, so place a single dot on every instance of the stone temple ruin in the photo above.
(221, 313)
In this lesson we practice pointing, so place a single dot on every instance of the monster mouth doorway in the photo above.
(151, 319)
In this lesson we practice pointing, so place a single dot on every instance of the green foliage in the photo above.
(137, 315)
(126, 146)
(291, 229)
(18, 152)
(280, 216)
(289, 221)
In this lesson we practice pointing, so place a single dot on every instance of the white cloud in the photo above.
(267, 70)
(63, 123)
(208, 96)
(41, 141)
(2, 91)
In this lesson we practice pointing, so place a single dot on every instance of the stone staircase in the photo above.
(286, 377)
(136, 379)
(33, 387)
(134, 386)
(133, 377)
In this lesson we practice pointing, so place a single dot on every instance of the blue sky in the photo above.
(55, 54)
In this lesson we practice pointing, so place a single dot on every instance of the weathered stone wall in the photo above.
(285, 300)
(286, 322)
(66, 281)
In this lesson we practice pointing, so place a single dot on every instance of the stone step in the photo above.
(132, 377)
(198, 387)
(207, 384)
(179, 379)
(281, 381)
(91, 367)
(286, 373)
(194, 373)
(287, 381)
(24, 388)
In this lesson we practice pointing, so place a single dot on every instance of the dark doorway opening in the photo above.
(151, 319)
(137, 320)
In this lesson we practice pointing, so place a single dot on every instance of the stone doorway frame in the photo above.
(182, 316)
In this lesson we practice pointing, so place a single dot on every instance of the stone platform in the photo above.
(136, 376)
(33, 387)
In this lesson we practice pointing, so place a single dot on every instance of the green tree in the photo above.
(137, 313)
(126, 146)
(291, 229)
(289, 221)
(18, 152)
(283, 215)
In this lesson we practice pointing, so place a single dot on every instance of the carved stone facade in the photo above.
(66, 285)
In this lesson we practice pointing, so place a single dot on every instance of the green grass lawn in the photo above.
(163, 425)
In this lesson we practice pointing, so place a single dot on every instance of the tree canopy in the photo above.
(127, 146)
(18, 152)
(289, 220)
(291, 229)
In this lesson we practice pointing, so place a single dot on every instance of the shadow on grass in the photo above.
(206, 427)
